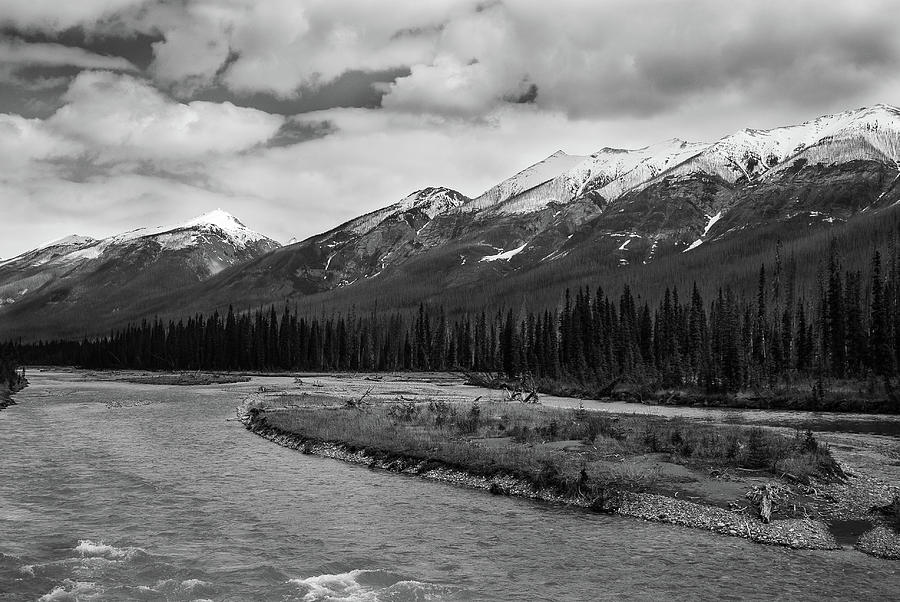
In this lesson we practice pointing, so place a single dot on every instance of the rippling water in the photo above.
(159, 498)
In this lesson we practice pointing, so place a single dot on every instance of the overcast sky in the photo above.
(295, 115)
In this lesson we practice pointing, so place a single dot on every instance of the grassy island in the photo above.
(573, 451)
(744, 481)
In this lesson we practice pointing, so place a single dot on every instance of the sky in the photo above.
(297, 115)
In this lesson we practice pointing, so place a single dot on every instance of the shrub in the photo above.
(403, 411)
(441, 412)
(757, 452)
(469, 423)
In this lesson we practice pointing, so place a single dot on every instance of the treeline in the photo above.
(10, 379)
(849, 329)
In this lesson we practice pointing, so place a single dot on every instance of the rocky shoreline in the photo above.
(806, 534)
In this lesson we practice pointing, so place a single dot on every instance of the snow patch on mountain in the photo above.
(504, 255)
(712, 222)
(694, 245)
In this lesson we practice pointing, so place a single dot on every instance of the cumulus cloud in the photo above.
(25, 140)
(637, 57)
(281, 46)
(122, 117)
(586, 58)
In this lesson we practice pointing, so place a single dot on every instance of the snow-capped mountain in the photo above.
(526, 180)
(617, 208)
(604, 176)
(215, 226)
(81, 274)
(862, 134)
(624, 207)
(356, 250)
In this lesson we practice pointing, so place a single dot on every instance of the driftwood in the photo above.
(765, 498)
(359, 403)
(765, 506)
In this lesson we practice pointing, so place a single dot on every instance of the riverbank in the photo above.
(650, 486)
(6, 392)
(5, 398)
(872, 396)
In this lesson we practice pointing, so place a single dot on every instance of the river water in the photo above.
(114, 491)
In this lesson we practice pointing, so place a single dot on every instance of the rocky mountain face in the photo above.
(617, 206)
(78, 277)
(630, 206)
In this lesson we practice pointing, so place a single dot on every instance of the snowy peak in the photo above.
(218, 218)
(866, 133)
(75, 248)
(173, 237)
(540, 173)
(610, 172)
(227, 225)
(72, 240)
(68, 248)
(433, 201)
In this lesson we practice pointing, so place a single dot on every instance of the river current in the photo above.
(115, 491)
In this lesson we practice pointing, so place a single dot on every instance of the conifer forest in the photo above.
(594, 339)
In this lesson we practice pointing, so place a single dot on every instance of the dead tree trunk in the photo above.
(765, 505)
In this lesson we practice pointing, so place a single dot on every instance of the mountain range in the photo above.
(673, 209)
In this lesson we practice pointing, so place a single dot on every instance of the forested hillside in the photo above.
(834, 346)
(666, 215)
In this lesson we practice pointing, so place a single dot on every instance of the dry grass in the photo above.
(575, 452)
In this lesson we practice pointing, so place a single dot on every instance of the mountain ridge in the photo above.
(618, 208)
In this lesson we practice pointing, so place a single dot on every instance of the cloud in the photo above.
(58, 16)
(448, 87)
(19, 53)
(282, 46)
(23, 141)
(120, 117)
(464, 58)
(634, 57)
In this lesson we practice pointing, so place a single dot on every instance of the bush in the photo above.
(757, 452)
(441, 412)
(403, 411)
(469, 424)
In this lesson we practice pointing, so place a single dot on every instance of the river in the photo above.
(116, 491)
